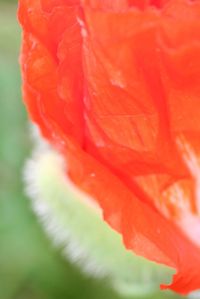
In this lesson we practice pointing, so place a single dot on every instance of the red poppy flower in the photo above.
(115, 87)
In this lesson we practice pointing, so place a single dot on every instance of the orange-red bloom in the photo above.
(115, 86)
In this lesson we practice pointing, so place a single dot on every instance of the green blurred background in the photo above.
(29, 265)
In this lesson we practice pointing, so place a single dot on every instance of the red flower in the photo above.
(115, 86)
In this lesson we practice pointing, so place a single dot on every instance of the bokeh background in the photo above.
(30, 267)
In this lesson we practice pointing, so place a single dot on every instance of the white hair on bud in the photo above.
(61, 236)
(74, 223)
